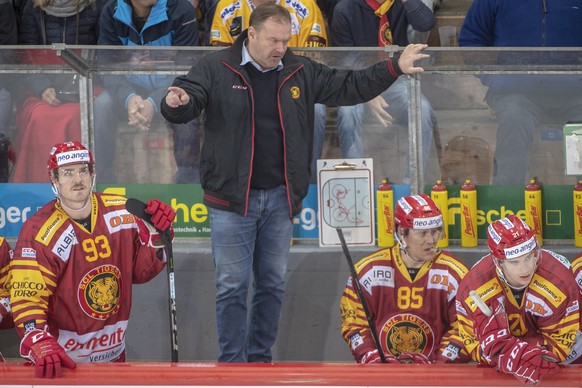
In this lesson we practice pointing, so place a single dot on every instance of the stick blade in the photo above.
(138, 209)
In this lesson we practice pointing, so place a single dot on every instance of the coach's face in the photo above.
(267, 43)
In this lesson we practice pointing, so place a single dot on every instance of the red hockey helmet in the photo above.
(70, 152)
(510, 237)
(418, 212)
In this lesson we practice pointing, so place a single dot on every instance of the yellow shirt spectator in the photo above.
(307, 23)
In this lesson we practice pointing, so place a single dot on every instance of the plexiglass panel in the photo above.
(489, 115)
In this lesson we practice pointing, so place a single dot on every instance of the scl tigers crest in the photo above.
(295, 92)
(407, 333)
(100, 291)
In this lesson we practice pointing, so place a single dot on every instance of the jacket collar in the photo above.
(234, 55)
(158, 14)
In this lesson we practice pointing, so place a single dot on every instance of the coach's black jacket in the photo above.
(219, 84)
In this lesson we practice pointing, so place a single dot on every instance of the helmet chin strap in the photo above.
(401, 241)
(403, 246)
(502, 275)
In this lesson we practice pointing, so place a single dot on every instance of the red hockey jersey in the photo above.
(547, 315)
(6, 322)
(575, 356)
(4, 266)
(78, 282)
(410, 316)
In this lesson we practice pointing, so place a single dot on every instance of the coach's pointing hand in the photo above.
(176, 97)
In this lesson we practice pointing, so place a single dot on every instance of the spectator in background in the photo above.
(207, 9)
(50, 111)
(418, 326)
(74, 265)
(372, 23)
(258, 98)
(144, 23)
(520, 102)
(5, 309)
(308, 30)
(8, 36)
(535, 288)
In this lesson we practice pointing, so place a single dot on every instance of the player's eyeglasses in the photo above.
(67, 174)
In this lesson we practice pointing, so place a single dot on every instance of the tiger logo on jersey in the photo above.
(407, 333)
(406, 339)
(100, 291)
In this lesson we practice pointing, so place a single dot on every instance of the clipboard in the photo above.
(345, 200)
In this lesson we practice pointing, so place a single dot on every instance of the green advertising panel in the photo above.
(192, 218)
(495, 202)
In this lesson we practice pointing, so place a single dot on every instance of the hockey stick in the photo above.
(356, 282)
(479, 302)
(137, 208)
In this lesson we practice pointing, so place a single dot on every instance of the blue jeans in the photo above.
(518, 115)
(5, 108)
(318, 138)
(186, 151)
(186, 139)
(350, 119)
(106, 123)
(258, 244)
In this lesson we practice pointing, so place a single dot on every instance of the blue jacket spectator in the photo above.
(143, 24)
(523, 23)
(521, 102)
(170, 23)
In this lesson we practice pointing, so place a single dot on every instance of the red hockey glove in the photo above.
(492, 332)
(2, 358)
(162, 214)
(45, 353)
(413, 358)
(374, 357)
(4, 309)
(149, 236)
(529, 364)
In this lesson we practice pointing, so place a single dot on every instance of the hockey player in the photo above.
(533, 301)
(576, 352)
(74, 264)
(410, 291)
(5, 316)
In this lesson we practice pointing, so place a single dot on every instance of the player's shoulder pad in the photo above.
(48, 229)
(112, 199)
(558, 257)
(451, 262)
(576, 264)
(381, 255)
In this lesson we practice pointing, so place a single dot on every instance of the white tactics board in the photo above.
(345, 198)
